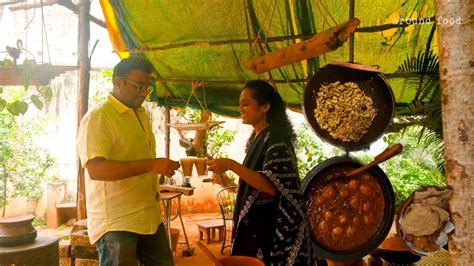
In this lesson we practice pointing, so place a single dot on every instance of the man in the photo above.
(117, 147)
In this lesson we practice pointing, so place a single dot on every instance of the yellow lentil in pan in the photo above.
(344, 110)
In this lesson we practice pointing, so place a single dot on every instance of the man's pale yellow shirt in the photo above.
(113, 131)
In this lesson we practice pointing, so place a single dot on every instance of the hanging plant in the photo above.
(26, 74)
(17, 102)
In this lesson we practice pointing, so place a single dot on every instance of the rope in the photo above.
(322, 14)
(270, 24)
(261, 27)
(194, 85)
(329, 13)
(43, 26)
(26, 12)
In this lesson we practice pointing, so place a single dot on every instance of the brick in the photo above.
(64, 248)
(86, 262)
(80, 239)
(84, 253)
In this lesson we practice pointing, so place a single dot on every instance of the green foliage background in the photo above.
(23, 165)
(217, 137)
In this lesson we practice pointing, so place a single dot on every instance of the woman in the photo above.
(269, 221)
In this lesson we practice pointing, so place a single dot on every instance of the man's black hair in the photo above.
(127, 65)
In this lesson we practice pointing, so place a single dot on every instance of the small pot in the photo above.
(396, 256)
(388, 212)
(17, 230)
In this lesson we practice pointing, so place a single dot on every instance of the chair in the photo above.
(226, 199)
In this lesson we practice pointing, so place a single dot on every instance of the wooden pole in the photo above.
(167, 132)
(368, 29)
(351, 38)
(74, 8)
(65, 3)
(82, 95)
(455, 25)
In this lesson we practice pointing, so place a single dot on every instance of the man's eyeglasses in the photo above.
(140, 87)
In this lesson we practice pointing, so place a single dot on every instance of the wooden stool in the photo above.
(209, 227)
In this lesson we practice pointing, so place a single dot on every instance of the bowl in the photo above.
(393, 250)
(240, 260)
(396, 256)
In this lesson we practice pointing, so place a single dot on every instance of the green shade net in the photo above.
(210, 74)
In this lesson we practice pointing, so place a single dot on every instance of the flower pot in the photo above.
(174, 238)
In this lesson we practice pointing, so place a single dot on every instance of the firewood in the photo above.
(324, 42)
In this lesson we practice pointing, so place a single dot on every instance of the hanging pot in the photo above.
(327, 173)
(370, 81)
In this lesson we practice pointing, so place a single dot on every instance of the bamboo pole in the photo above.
(455, 25)
(82, 95)
(326, 41)
(368, 29)
(281, 81)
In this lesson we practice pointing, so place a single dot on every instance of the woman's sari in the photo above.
(273, 229)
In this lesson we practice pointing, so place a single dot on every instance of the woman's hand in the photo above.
(253, 178)
(219, 165)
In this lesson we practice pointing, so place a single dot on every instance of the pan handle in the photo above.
(385, 155)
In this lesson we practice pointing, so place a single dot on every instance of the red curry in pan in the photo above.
(344, 213)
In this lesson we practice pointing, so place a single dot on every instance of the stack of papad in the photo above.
(426, 217)
(423, 219)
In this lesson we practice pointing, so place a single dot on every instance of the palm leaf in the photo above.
(425, 108)
(426, 66)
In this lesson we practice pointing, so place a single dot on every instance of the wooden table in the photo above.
(43, 251)
(167, 198)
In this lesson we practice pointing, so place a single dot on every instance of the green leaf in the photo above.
(17, 107)
(47, 93)
(13, 108)
(23, 107)
(29, 62)
(36, 101)
(3, 103)
(1, 90)
(7, 62)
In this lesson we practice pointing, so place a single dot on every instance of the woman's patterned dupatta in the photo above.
(273, 156)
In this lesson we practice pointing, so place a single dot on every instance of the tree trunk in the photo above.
(456, 45)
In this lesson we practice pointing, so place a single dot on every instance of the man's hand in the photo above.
(165, 166)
